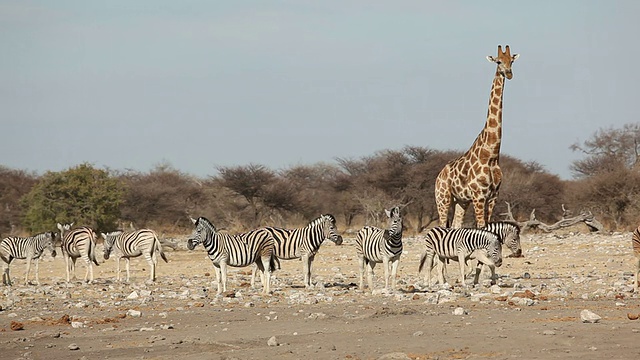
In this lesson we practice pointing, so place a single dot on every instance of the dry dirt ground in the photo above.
(533, 313)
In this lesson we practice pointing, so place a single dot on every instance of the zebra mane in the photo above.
(321, 219)
(510, 223)
(205, 222)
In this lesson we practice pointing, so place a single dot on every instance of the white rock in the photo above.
(133, 295)
(77, 324)
(134, 313)
(459, 311)
(272, 341)
(589, 317)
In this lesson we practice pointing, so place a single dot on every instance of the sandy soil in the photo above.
(533, 314)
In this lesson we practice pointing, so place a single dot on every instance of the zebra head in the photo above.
(329, 229)
(494, 251)
(204, 229)
(64, 228)
(509, 234)
(109, 240)
(50, 243)
(395, 220)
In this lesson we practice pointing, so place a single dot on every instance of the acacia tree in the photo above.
(14, 184)
(607, 150)
(82, 195)
(251, 182)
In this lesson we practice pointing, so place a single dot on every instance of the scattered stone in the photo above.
(459, 311)
(418, 333)
(395, 356)
(77, 324)
(17, 326)
(73, 347)
(548, 332)
(589, 317)
(133, 313)
(631, 316)
(133, 295)
(272, 341)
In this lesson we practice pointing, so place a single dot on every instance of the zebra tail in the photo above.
(422, 260)
(92, 252)
(159, 248)
(272, 263)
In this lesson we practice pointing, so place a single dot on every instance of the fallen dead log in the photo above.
(584, 217)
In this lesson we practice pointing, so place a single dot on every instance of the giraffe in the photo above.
(475, 176)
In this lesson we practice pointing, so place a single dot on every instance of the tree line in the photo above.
(355, 191)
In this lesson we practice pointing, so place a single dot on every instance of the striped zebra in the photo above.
(375, 245)
(29, 248)
(237, 250)
(461, 245)
(78, 243)
(132, 244)
(508, 234)
(635, 240)
(303, 243)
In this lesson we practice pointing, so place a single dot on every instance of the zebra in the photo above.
(303, 243)
(29, 248)
(375, 245)
(133, 244)
(461, 245)
(635, 240)
(236, 250)
(78, 243)
(508, 234)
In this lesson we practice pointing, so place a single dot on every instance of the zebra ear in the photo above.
(104, 236)
(70, 225)
(193, 220)
(59, 226)
(387, 212)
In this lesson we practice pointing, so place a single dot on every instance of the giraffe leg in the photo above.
(443, 196)
(479, 210)
(490, 205)
(458, 216)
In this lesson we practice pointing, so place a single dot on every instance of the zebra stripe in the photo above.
(375, 245)
(461, 245)
(635, 241)
(508, 234)
(29, 248)
(133, 244)
(237, 250)
(78, 243)
(303, 243)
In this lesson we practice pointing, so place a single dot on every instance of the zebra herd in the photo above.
(263, 248)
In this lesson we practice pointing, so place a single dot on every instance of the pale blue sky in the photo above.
(131, 84)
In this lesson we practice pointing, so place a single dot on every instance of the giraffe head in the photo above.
(504, 60)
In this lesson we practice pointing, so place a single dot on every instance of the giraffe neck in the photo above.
(489, 139)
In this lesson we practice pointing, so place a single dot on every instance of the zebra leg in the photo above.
(152, 273)
(6, 279)
(254, 268)
(37, 271)
(306, 263)
(118, 269)
(461, 257)
(370, 274)
(385, 265)
(126, 264)
(223, 273)
(482, 258)
(26, 276)
(218, 276)
(394, 272)
(442, 269)
(266, 261)
(637, 273)
(362, 264)
(66, 260)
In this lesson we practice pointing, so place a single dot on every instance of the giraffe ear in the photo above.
(491, 58)
(515, 57)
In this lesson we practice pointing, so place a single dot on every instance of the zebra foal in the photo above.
(303, 243)
(460, 245)
(29, 248)
(237, 250)
(375, 245)
(132, 244)
(78, 243)
(635, 240)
